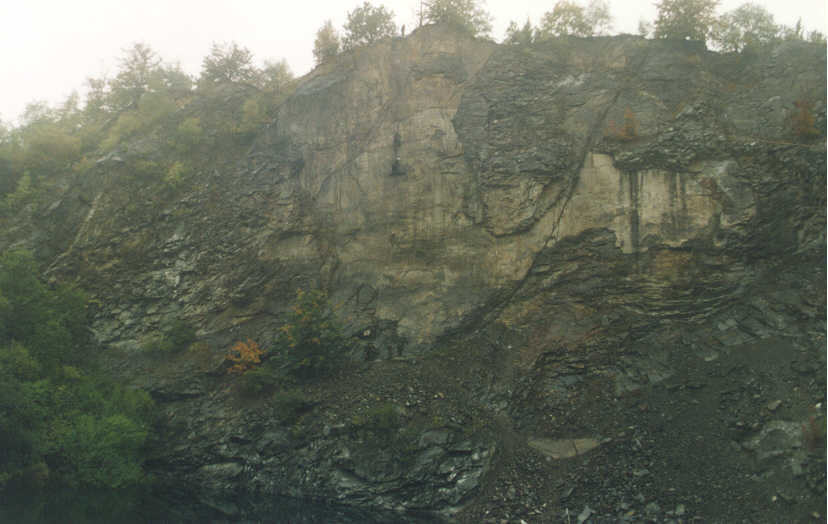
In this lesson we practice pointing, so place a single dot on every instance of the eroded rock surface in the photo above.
(559, 241)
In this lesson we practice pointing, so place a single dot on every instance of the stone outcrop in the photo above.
(567, 222)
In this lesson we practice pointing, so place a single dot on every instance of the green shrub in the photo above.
(59, 421)
(181, 333)
(383, 418)
(261, 379)
(312, 342)
(51, 324)
(290, 405)
(177, 335)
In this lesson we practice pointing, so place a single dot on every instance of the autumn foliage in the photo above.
(803, 120)
(244, 355)
(628, 130)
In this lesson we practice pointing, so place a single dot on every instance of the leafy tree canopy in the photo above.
(797, 32)
(520, 35)
(59, 421)
(747, 25)
(468, 15)
(228, 63)
(685, 19)
(327, 43)
(138, 67)
(570, 18)
(276, 75)
(367, 24)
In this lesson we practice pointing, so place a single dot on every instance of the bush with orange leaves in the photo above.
(244, 355)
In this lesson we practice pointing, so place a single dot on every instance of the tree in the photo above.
(747, 25)
(49, 141)
(520, 36)
(570, 18)
(275, 76)
(797, 32)
(466, 15)
(816, 37)
(368, 24)
(57, 418)
(685, 19)
(599, 17)
(326, 45)
(228, 63)
(311, 341)
(137, 68)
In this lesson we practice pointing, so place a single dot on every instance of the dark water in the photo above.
(145, 506)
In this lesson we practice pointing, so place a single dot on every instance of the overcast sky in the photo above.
(49, 47)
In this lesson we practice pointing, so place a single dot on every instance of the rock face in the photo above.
(568, 241)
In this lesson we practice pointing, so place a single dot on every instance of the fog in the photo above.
(49, 48)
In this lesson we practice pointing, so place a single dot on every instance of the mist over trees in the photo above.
(327, 43)
(228, 63)
(569, 18)
(368, 24)
(747, 26)
(466, 15)
(195, 118)
(685, 19)
(233, 96)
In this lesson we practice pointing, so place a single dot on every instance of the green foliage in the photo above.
(253, 116)
(276, 77)
(22, 194)
(51, 323)
(384, 417)
(180, 333)
(49, 148)
(311, 342)
(145, 114)
(290, 405)
(138, 68)
(262, 379)
(368, 24)
(189, 135)
(177, 335)
(176, 174)
(466, 15)
(797, 33)
(59, 421)
(41, 151)
(747, 25)
(568, 18)
(327, 43)
(148, 116)
(685, 19)
(102, 451)
(227, 63)
(520, 35)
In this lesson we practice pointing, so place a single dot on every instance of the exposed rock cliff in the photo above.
(587, 270)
